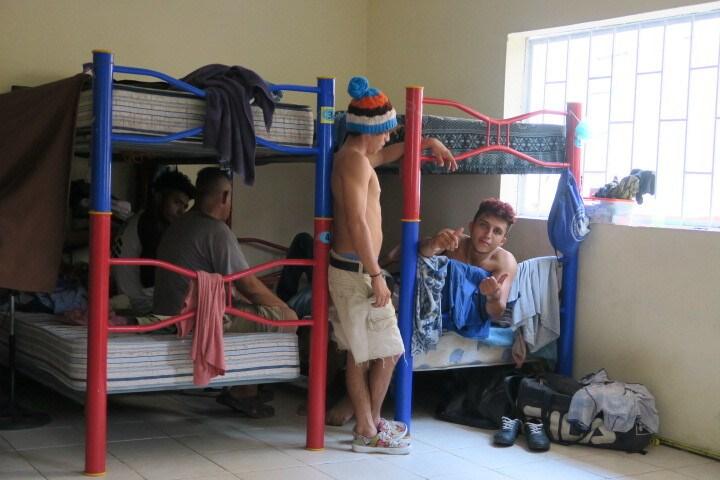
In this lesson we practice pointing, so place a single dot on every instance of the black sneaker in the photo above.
(509, 431)
(537, 440)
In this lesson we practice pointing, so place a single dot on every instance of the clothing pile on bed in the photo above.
(448, 300)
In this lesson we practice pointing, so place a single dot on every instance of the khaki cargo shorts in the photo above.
(369, 333)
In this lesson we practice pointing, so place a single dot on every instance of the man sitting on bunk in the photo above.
(201, 240)
(171, 193)
(482, 248)
(366, 325)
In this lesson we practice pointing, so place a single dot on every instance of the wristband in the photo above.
(376, 275)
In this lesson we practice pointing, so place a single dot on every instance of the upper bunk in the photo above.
(545, 143)
(216, 114)
(143, 113)
(148, 111)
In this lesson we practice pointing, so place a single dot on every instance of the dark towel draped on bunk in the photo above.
(228, 121)
(36, 141)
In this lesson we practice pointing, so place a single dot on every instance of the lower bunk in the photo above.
(55, 353)
(454, 351)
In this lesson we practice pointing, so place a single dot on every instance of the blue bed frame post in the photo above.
(567, 315)
(100, 214)
(410, 169)
(323, 222)
(573, 154)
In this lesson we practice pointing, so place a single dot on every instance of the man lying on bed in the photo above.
(482, 248)
(201, 240)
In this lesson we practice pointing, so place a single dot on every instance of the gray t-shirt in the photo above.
(196, 242)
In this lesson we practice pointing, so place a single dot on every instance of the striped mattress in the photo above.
(56, 354)
(155, 112)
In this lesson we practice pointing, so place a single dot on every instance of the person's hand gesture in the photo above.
(381, 292)
(490, 287)
(447, 239)
(442, 155)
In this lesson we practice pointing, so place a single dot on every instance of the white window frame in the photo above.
(532, 194)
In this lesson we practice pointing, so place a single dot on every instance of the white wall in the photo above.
(648, 308)
(283, 40)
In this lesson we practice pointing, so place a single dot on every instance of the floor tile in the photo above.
(660, 475)
(479, 474)
(551, 469)
(4, 445)
(706, 471)
(667, 457)
(334, 451)
(217, 442)
(295, 473)
(69, 462)
(187, 435)
(436, 464)
(122, 432)
(448, 435)
(44, 437)
(242, 461)
(14, 466)
(281, 436)
(493, 457)
(163, 459)
(611, 464)
(366, 468)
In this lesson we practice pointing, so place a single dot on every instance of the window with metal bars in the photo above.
(650, 95)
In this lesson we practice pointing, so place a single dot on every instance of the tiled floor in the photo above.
(188, 436)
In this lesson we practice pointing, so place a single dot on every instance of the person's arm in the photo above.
(258, 294)
(229, 258)
(354, 181)
(496, 288)
(442, 155)
(446, 239)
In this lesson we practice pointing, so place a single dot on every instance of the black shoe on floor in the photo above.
(537, 440)
(507, 434)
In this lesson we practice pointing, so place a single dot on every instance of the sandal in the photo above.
(252, 407)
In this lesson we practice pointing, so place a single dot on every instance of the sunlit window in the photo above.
(649, 91)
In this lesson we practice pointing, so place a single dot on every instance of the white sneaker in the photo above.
(383, 442)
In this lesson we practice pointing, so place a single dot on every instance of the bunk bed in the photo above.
(161, 138)
(496, 151)
(105, 140)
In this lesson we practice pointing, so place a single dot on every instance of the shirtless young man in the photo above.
(482, 248)
(366, 325)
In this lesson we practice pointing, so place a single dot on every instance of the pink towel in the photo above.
(207, 297)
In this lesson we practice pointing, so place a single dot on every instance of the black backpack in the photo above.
(547, 398)
(480, 400)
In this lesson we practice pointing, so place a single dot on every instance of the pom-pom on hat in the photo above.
(370, 111)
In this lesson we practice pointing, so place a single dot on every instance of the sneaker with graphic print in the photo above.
(395, 428)
(383, 442)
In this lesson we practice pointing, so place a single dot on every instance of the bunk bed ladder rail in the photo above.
(410, 172)
(100, 261)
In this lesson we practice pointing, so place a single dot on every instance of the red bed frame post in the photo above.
(573, 153)
(99, 285)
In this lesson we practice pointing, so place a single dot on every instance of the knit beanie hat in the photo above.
(370, 111)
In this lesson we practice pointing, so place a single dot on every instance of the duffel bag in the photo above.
(548, 398)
